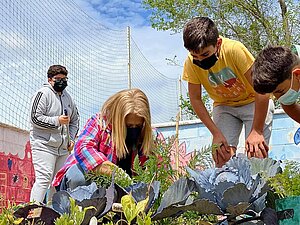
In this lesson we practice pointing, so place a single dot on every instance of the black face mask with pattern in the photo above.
(133, 135)
(207, 63)
(60, 85)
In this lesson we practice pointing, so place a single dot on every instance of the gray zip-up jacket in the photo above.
(46, 134)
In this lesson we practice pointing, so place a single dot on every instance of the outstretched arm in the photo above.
(255, 142)
(202, 113)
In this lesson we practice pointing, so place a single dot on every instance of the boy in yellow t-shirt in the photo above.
(223, 67)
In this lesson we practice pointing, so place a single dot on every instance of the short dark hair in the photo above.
(272, 66)
(56, 69)
(199, 33)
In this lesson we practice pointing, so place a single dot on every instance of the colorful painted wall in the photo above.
(16, 170)
(194, 135)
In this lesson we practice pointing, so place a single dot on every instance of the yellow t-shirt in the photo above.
(225, 82)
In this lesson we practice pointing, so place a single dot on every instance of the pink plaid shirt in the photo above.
(93, 147)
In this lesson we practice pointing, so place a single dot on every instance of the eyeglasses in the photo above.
(60, 79)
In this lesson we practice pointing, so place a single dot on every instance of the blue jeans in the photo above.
(73, 178)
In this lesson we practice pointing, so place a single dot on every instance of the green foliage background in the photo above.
(256, 23)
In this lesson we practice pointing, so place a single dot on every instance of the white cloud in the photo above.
(115, 13)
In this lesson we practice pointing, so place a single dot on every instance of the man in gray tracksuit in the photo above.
(54, 124)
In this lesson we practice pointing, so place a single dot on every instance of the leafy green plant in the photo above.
(201, 159)
(75, 217)
(107, 219)
(287, 183)
(7, 216)
(102, 180)
(158, 167)
(166, 174)
(132, 210)
(189, 218)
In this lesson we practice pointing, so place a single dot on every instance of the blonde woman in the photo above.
(111, 138)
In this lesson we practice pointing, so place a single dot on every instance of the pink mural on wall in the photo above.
(16, 177)
(183, 156)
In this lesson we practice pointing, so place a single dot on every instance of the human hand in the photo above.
(107, 167)
(70, 146)
(121, 177)
(102, 175)
(256, 146)
(231, 150)
(220, 149)
(63, 120)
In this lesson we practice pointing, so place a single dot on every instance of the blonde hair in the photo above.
(117, 107)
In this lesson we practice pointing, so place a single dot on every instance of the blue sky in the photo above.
(155, 45)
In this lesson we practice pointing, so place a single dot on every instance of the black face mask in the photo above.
(60, 85)
(207, 63)
(133, 135)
